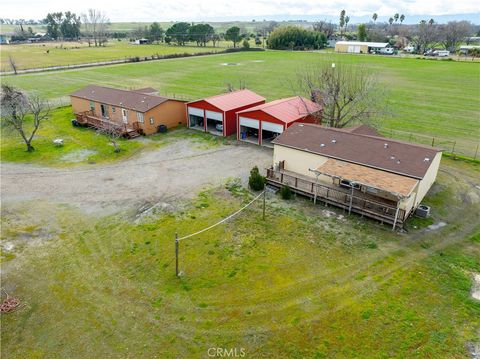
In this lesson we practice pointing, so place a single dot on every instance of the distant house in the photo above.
(359, 47)
(141, 41)
(132, 111)
(4, 40)
(465, 49)
(355, 169)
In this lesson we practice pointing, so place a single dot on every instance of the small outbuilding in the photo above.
(360, 47)
(263, 123)
(217, 114)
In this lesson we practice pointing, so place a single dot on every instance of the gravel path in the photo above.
(176, 171)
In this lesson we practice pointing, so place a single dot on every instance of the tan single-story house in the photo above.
(355, 168)
(360, 47)
(133, 111)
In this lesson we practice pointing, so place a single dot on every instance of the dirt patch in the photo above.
(476, 286)
(435, 226)
(174, 171)
(77, 156)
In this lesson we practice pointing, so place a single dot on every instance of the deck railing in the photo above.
(89, 118)
(358, 202)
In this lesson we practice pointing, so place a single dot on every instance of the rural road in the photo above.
(176, 171)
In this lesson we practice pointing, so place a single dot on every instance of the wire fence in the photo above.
(458, 147)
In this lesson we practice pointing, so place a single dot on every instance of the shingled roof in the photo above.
(133, 100)
(372, 151)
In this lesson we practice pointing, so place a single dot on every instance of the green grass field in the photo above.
(84, 146)
(299, 285)
(427, 98)
(28, 56)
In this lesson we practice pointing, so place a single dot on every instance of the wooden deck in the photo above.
(89, 118)
(361, 203)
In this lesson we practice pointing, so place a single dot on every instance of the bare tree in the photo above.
(347, 93)
(95, 22)
(326, 27)
(453, 33)
(427, 34)
(13, 64)
(113, 132)
(23, 114)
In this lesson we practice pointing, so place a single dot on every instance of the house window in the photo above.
(140, 117)
(113, 109)
(92, 105)
(104, 109)
(152, 121)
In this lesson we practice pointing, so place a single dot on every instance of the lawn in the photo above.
(427, 98)
(308, 282)
(29, 56)
(83, 145)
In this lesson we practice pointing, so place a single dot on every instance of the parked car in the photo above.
(409, 49)
(441, 53)
(219, 127)
(387, 51)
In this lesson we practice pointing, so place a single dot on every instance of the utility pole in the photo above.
(176, 253)
(264, 194)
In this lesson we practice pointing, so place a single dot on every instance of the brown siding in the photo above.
(170, 113)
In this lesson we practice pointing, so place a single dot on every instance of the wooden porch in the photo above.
(353, 201)
(90, 119)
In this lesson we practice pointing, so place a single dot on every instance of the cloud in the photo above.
(147, 10)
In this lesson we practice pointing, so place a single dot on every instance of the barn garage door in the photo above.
(248, 122)
(214, 115)
(195, 111)
(273, 127)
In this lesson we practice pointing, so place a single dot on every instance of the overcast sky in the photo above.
(191, 10)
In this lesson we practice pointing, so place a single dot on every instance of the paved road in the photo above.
(176, 171)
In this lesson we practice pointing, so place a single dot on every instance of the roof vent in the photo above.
(334, 141)
(301, 125)
(426, 159)
(398, 162)
(392, 157)
(322, 145)
(385, 145)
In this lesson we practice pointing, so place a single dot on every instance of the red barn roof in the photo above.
(287, 110)
(232, 100)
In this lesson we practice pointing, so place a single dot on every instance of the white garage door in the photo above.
(195, 111)
(273, 127)
(214, 115)
(248, 122)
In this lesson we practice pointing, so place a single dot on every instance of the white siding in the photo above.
(296, 160)
(428, 179)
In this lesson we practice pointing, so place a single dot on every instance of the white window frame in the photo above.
(140, 117)
(152, 120)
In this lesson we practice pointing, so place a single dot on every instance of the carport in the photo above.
(217, 114)
(263, 123)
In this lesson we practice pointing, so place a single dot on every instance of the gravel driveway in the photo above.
(176, 171)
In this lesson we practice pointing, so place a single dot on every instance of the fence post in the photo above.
(433, 141)
(176, 254)
(453, 148)
(476, 152)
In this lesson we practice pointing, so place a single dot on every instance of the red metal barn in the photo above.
(217, 114)
(263, 123)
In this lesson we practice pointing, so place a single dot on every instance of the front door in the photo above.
(124, 116)
(104, 110)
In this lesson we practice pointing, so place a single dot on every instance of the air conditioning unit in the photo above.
(422, 211)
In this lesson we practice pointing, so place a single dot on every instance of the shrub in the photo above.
(256, 180)
(246, 44)
(295, 38)
(286, 192)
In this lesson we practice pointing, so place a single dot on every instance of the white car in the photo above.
(219, 127)
(441, 53)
